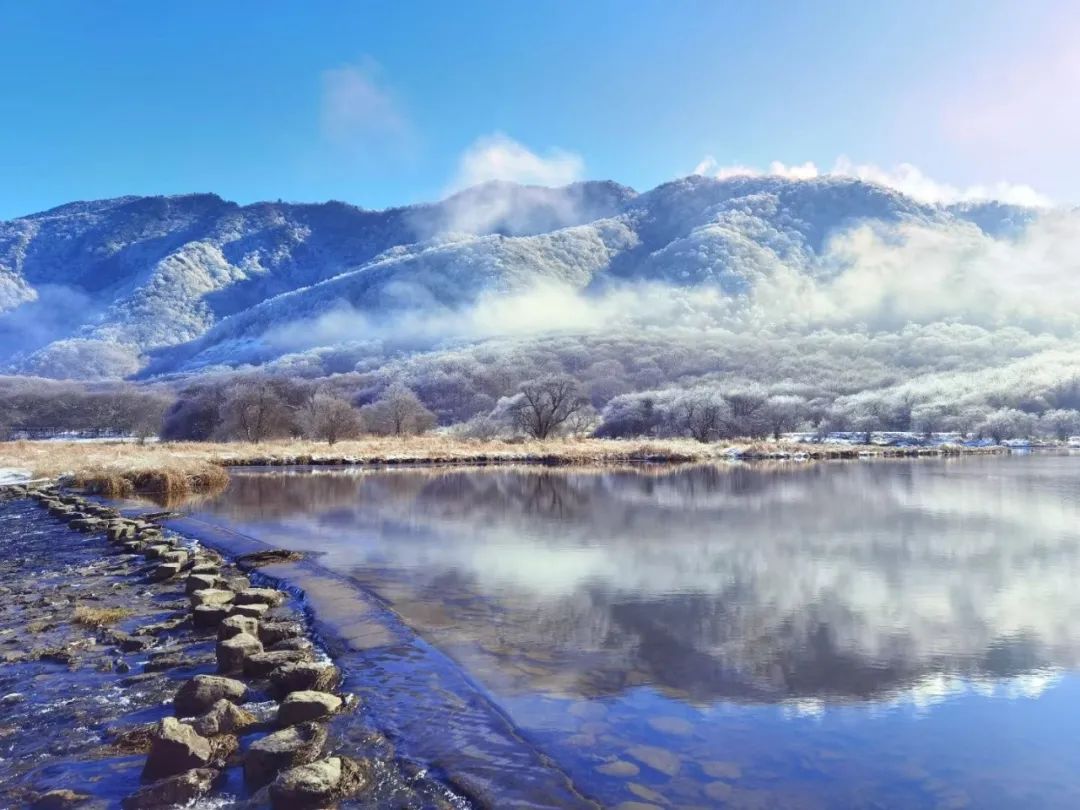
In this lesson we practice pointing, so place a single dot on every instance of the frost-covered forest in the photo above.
(746, 306)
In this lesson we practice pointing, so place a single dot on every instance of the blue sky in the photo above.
(389, 103)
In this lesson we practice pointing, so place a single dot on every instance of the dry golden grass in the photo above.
(172, 470)
(99, 617)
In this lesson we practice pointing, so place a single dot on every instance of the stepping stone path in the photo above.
(188, 752)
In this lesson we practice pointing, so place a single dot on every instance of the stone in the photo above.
(167, 659)
(155, 551)
(271, 633)
(235, 625)
(255, 611)
(300, 707)
(134, 740)
(301, 644)
(223, 747)
(59, 799)
(121, 532)
(293, 746)
(178, 556)
(224, 718)
(165, 571)
(179, 789)
(211, 596)
(200, 582)
(232, 652)
(319, 784)
(255, 559)
(200, 693)
(237, 582)
(262, 664)
(210, 615)
(133, 546)
(85, 524)
(206, 568)
(296, 677)
(159, 628)
(130, 643)
(263, 596)
(175, 748)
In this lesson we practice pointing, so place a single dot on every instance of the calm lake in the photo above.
(859, 634)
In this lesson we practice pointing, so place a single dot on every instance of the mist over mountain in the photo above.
(826, 284)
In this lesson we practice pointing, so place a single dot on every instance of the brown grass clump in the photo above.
(106, 483)
(99, 617)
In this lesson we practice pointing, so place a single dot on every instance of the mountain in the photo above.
(163, 285)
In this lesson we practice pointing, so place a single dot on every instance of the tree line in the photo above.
(259, 407)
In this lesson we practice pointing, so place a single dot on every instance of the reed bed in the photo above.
(173, 470)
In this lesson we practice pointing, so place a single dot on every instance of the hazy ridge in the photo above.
(829, 286)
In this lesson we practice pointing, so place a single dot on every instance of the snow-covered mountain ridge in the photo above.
(139, 285)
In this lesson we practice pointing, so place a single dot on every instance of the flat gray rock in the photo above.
(300, 707)
(200, 693)
(180, 789)
(318, 784)
(293, 746)
(232, 652)
(176, 747)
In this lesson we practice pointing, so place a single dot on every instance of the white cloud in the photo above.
(500, 157)
(356, 108)
(904, 177)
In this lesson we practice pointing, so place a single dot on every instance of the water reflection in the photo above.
(815, 584)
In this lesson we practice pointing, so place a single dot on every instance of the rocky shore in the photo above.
(264, 709)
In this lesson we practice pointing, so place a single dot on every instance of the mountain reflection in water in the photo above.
(824, 582)
(857, 634)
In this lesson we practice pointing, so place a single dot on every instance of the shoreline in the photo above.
(243, 656)
(175, 470)
(214, 723)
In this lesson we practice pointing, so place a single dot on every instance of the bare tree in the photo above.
(253, 411)
(398, 412)
(145, 417)
(1007, 423)
(783, 413)
(746, 409)
(583, 422)
(330, 418)
(542, 406)
(1060, 423)
(703, 417)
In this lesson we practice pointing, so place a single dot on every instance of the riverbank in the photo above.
(175, 469)
(113, 621)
